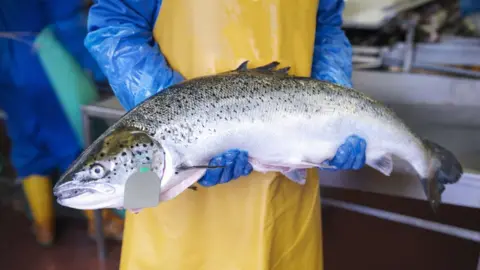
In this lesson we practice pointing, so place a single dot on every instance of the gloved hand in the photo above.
(236, 165)
(350, 155)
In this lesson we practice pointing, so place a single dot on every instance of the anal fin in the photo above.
(383, 164)
(297, 175)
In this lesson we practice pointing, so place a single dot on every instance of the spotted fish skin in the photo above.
(284, 122)
(182, 112)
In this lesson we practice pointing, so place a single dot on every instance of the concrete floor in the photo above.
(73, 250)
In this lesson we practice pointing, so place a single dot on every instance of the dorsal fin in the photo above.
(283, 70)
(243, 66)
(268, 68)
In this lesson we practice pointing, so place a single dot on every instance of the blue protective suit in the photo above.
(41, 136)
(123, 45)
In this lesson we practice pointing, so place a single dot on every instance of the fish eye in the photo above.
(97, 171)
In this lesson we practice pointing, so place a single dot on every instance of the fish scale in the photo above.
(286, 123)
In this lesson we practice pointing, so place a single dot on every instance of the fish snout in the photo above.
(68, 190)
(89, 196)
(78, 189)
(58, 189)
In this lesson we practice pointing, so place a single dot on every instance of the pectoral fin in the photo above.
(185, 167)
(135, 211)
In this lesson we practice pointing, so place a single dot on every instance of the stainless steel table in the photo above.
(442, 109)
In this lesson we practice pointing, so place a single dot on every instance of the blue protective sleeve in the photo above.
(332, 58)
(120, 39)
(70, 27)
(332, 61)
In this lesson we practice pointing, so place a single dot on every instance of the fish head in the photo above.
(98, 177)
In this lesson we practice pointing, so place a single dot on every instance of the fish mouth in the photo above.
(63, 194)
(86, 198)
(71, 190)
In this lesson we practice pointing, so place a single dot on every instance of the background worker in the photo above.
(42, 139)
(262, 221)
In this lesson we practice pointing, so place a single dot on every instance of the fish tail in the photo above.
(444, 169)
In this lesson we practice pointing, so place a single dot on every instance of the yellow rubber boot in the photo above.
(38, 190)
(112, 224)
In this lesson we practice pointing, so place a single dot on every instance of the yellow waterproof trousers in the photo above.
(263, 221)
(38, 191)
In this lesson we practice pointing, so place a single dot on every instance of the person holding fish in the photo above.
(261, 221)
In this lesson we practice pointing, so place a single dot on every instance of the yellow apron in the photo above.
(263, 221)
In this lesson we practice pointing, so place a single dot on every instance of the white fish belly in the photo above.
(299, 142)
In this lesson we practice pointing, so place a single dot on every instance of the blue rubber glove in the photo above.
(236, 165)
(350, 155)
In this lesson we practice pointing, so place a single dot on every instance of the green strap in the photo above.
(71, 84)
